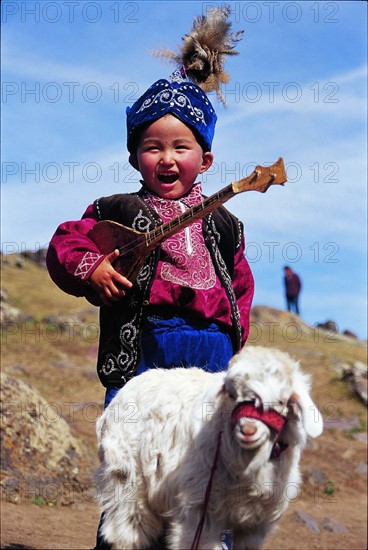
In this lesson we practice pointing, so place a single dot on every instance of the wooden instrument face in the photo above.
(134, 246)
(131, 244)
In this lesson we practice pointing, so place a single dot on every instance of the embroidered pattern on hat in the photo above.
(184, 99)
(178, 76)
(174, 97)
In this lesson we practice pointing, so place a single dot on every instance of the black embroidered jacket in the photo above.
(120, 324)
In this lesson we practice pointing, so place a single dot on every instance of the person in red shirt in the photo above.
(293, 287)
(198, 278)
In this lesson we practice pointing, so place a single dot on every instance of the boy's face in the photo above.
(169, 157)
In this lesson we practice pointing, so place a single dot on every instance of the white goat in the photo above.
(158, 441)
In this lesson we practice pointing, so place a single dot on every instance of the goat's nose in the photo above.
(248, 428)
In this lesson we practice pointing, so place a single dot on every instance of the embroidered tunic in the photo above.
(200, 270)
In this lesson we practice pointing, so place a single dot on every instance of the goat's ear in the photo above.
(310, 415)
(211, 400)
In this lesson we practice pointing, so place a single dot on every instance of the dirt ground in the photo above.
(29, 526)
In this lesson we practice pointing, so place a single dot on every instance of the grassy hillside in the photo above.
(58, 360)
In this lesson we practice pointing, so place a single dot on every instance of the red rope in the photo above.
(271, 418)
(198, 533)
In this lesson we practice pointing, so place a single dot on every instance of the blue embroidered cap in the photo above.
(179, 97)
(201, 57)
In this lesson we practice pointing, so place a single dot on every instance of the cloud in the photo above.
(337, 96)
(43, 70)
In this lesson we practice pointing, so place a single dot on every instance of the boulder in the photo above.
(357, 378)
(39, 454)
(10, 315)
(330, 326)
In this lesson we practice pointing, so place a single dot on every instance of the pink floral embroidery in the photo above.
(186, 260)
(88, 260)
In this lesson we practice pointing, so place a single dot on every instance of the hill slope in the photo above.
(53, 349)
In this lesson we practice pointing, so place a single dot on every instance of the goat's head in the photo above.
(272, 382)
(267, 398)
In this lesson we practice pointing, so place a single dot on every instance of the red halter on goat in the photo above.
(271, 418)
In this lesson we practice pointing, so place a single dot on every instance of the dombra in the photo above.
(134, 246)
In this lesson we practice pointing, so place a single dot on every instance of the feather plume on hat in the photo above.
(204, 50)
(200, 70)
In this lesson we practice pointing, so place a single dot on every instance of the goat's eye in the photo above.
(231, 393)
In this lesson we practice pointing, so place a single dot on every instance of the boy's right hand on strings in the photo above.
(107, 282)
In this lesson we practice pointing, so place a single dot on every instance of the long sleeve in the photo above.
(72, 256)
(243, 284)
(298, 283)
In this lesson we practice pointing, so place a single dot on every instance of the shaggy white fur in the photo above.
(157, 442)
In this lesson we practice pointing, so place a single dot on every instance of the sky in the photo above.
(298, 90)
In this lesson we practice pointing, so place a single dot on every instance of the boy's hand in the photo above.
(107, 282)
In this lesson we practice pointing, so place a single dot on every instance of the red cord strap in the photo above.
(247, 409)
(198, 533)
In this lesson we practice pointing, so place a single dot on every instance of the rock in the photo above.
(19, 262)
(4, 296)
(316, 475)
(342, 424)
(38, 257)
(361, 468)
(11, 488)
(332, 525)
(39, 454)
(339, 367)
(63, 323)
(361, 367)
(330, 326)
(350, 334)
(359, 386)
(357, 378)
(355, 375)
(10, 315)
(309, 522)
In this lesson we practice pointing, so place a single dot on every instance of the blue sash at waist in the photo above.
(179, 342)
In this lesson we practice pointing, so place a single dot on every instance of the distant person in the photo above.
(293, 287)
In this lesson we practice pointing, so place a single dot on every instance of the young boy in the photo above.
(191, 301)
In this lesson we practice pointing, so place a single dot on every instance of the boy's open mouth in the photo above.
(168, 178)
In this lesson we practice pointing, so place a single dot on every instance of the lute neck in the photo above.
(198, 211)
(259, 180)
